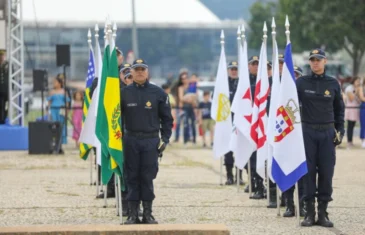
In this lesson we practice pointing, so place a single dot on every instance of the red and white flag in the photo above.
(242, 144)
(259, 116)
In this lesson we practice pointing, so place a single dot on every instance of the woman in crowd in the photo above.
(361, 95)
(352, 112)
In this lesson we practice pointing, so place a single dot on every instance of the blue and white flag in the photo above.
(289, 161)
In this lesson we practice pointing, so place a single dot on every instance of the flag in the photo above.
(84, 147)
(289, 161)
(242, 145)
(221, 109)
(101, 122)
(275, 89)
(259, 116)
(88, 135)
(108, 122)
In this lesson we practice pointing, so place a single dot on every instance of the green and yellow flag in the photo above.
(85, 148)
(108, 124)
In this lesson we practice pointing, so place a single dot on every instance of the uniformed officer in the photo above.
(146, 114)
(120, 58)
(269, 68)
(323, 129)
(228, 157)
(124, 69)
(298, 72)
(289, 194)
(256, 180)
(4, 86)
(128, 79)
(281, 63)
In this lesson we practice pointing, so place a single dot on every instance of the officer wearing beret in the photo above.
(323, 129)
(146, 114)
(4, 86)
(228, 157)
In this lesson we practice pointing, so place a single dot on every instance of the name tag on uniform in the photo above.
(309, 91)
(131, 104)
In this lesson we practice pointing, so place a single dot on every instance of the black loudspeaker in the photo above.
(44, 137)
(63, 55)
(40, 80)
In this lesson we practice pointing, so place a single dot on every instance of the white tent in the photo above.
(74, 13)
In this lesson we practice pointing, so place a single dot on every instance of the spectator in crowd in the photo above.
(361, 95)
(205, 120)
(77, 113)
(352, 112)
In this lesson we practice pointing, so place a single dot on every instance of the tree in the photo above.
(260, 13)
(329, 24)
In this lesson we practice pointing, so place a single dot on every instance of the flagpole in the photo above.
(243, 39)
(267, 175)
(90, 157)
(108, 34)
(238, 59)
(96, 74)
(273, 33)
(221, 159)
(296, 198)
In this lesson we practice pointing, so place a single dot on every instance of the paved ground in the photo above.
(55, 190)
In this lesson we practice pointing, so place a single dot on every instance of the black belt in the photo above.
(319, 126)
(142, 135)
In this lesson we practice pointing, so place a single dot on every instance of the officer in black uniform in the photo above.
(256, 180)
(4, 86)
(120, 58)
(228, 157)
(323, 129)
(146, 114)
(298, 72)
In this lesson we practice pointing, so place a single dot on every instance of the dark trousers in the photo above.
(3, 111)
(189, 124)
(290, 192)
(321, 159)
(228, 159)
(350, 130)
(141, 166)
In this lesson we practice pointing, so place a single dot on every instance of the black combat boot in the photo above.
(282, 200)
(301, 208)
(272, 199)
(253, 185)
(147, 213)
(323, 219)
(229, 175)
(310, 214)
(259, 192)
(290, 209)
(125, 208)
(133, 213)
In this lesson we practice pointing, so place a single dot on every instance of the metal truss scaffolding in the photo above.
(16, 62)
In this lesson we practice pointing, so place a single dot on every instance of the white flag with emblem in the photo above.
(221, 109)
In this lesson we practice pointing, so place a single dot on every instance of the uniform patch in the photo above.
(148, 105)
(327, 93)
